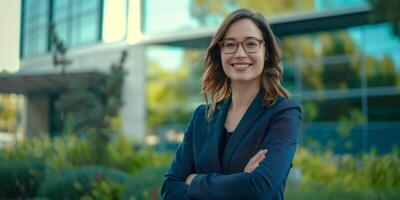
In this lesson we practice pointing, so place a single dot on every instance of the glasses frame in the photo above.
(241, 44)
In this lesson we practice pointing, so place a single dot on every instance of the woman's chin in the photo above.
(243, 79)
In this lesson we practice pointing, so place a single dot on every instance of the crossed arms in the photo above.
(260, 178)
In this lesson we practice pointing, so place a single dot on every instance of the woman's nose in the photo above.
(240, 52)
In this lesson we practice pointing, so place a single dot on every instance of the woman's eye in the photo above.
(230, 44)
(251, 44)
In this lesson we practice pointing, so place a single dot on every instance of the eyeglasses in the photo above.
(250, 45)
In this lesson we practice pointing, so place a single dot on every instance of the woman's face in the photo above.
(242, 66)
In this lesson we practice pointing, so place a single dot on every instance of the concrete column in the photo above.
(37, 115)
(134, 95)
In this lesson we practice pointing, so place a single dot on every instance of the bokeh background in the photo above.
(95, 94)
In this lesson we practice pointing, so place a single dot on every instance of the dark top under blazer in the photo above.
(274, 127)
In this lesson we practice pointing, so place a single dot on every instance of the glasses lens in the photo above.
(251, 45)
(229, 46)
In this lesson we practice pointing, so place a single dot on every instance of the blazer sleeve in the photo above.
(174, 186)
(281, 143)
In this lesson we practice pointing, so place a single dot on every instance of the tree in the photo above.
(388, 10)
(90, 109)
(59, 49)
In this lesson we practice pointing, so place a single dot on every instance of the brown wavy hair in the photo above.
(216, 85)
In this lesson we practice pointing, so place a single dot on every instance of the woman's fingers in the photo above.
(257, 156)
(260, 157)
(256, 164)
(255, 160)
(252, 168)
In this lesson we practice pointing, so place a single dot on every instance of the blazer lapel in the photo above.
(215, 130)
(253, 112)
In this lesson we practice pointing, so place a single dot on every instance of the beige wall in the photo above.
(9, 34)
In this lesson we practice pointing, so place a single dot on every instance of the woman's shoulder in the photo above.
(199, 111)
(283, 103)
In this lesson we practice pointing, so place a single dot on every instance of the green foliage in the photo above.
(86, 182)
(138, 172)
(10, 112)
(329, 176)
(59, 49)
(347, 123)
(67, 160)
(93, 110)
(105, 189)
(145, 185)
(208, 12)
(58, 153)
(97, 104)
(91, 107)
(320, 192)
(68, 152)
(172, 92)
(387, 10)
(123, 156)
(22, 178)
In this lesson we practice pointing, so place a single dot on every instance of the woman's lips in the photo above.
(241, 66)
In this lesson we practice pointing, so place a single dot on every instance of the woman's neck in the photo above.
(243, 94)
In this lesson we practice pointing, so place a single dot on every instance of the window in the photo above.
(35, 27)
(77, 22)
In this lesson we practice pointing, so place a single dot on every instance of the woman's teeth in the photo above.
(241, 66)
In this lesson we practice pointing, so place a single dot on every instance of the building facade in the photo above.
(342, 68)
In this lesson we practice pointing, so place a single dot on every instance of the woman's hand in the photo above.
(190, 178)
(255, 161)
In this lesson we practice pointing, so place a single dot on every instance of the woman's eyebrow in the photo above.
(231, 38)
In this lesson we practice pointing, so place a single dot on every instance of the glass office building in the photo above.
(342, 68)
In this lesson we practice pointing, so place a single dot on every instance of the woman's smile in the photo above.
(241, 66)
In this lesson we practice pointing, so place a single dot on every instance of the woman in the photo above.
(224, 151)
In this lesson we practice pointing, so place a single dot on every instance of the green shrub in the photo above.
(82, 182)
(21, 179)
(105, 189)
(145, 185)
(59, 152)
(68, 152)
(131, 157)
(324, 175)
(311, 191)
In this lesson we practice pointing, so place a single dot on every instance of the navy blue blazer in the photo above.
(273, 127)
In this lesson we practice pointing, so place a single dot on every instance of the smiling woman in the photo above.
(226, 143)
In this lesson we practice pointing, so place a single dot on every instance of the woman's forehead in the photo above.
(242, 29)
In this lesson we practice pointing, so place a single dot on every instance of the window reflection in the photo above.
(331, 110)
(173, 86)
(383, 136)
(189, 14)
(382, 56)
(382, 72)
(384, 108)
(334, 60)
(341, 74)
(324, 136)
(288, 79)
(346, 79)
